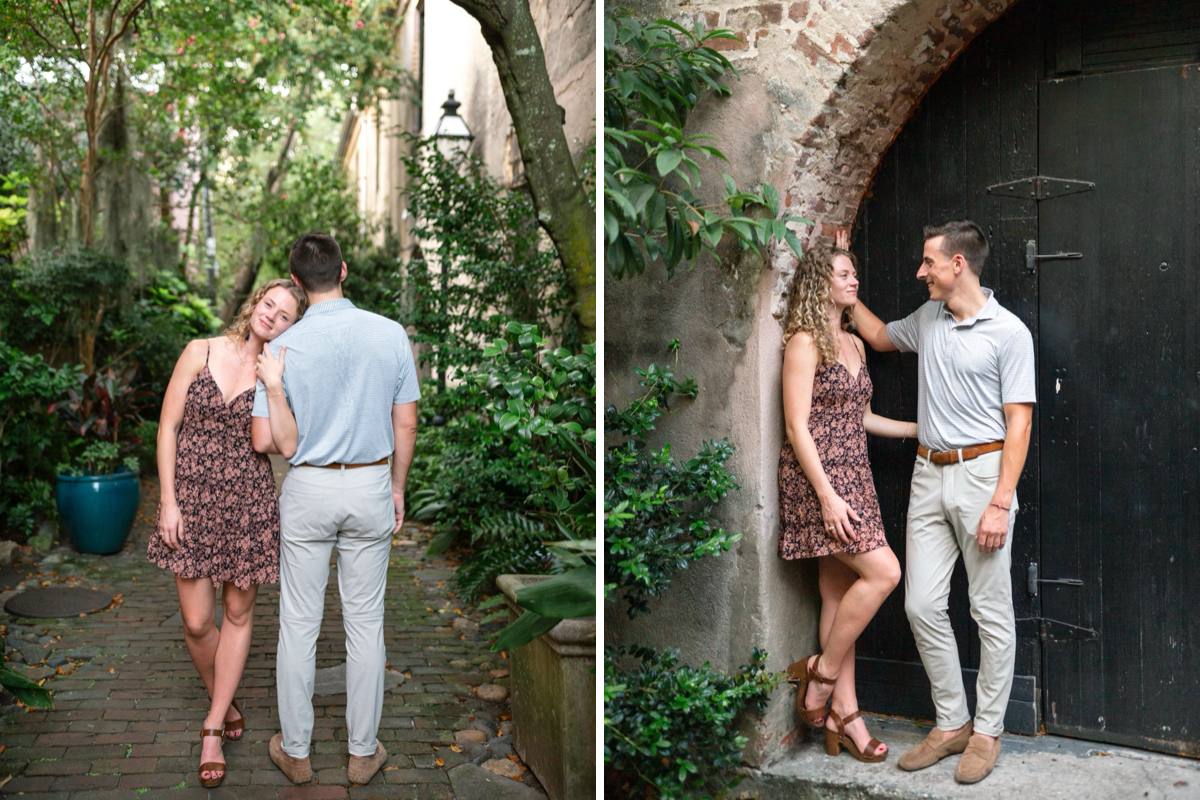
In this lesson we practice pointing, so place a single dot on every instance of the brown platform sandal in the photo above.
(800, 673)
(211, 766)
(836, 740)
(238, 725)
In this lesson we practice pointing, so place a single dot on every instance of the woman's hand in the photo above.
(270, 369)
(841, 239)
(170, 526)
(837, 515)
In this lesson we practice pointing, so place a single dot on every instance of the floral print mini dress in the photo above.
(226, 494)
(836, 424)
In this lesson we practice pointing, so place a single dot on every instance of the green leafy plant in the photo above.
(14, 199)
(668, 725)
(99, 458)
(659, 512)
(483, 261)
(567, 595)
(32, 438)
(19, 686)
(517, 460)
(654, 75)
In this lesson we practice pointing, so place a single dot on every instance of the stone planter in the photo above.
(554, 700)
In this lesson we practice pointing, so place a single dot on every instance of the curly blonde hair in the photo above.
(239, 329)
(808, 300)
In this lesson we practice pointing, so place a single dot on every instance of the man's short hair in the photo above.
(316, 261)
(962, 236)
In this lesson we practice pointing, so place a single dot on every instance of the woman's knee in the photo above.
(890, 574)
(197, 624)
(883, 572)
(238, 608)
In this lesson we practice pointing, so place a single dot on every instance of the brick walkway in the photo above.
(128, 704)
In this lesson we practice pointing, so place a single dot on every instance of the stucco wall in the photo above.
(825, 87)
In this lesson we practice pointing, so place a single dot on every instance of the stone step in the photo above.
(1030, 768)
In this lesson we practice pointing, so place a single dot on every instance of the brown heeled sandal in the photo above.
(211, 766)
(238, 725)
(836, 740)
(800, 673)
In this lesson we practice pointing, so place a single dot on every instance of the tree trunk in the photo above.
(562, 206)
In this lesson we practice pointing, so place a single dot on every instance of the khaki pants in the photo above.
(944, 509)
(320, 509)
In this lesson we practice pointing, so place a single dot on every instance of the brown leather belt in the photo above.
(346, 466)
(941, 457)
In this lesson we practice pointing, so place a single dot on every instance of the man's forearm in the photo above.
(1012, 461)
(402, 455)
(871, 328)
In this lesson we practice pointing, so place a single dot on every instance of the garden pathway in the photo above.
(128, 705)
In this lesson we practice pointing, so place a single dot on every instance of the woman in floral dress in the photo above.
(827, 502)
(218, 518)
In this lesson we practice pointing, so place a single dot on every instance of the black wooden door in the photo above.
(1119, 376)
(1108, 539)
(976, 127)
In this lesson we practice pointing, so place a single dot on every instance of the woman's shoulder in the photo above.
(195, 352)
(801, 347)
(802, 340)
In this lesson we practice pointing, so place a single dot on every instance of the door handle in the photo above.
(1032, 256)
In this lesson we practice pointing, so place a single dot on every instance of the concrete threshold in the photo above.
(1030, 768)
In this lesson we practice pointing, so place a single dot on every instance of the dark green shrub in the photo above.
(488, 263)
(670, 726)
(151, 331)
(659, 512)
(59, 303)
(517, 462)
(32, 438)
(654, 75)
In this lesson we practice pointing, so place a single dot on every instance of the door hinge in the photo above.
(1032, 256)
(1032, 580)
(1040, 187)
(1048, 629)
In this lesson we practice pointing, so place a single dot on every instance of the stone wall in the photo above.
(825, 87)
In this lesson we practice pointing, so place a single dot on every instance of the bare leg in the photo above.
(835, 578)
(878, 573)
(230, 659)
(197, 607)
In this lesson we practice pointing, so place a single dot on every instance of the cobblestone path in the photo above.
(128, 705)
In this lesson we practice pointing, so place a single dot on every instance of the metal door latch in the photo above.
(1033, 580)
(1032, 256)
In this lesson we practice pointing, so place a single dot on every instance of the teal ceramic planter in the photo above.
(98, 510)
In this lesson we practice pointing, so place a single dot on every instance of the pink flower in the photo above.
(191, 40)
(180, 50)
(253, 23)
(282, 36)
(359, 24)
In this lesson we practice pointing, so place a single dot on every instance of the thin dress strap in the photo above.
(207, 350)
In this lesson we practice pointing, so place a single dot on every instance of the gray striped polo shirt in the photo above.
(966, 371)
(345, 368)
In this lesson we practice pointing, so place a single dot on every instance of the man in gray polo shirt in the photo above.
(347, 375)
(976, 390)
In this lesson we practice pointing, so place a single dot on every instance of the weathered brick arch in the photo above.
(863, 68)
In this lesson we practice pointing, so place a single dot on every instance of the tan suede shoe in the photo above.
(978, 760)
(297, 770)
(362, 768)
(929, 752)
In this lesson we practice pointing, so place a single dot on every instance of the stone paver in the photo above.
(128, 705)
